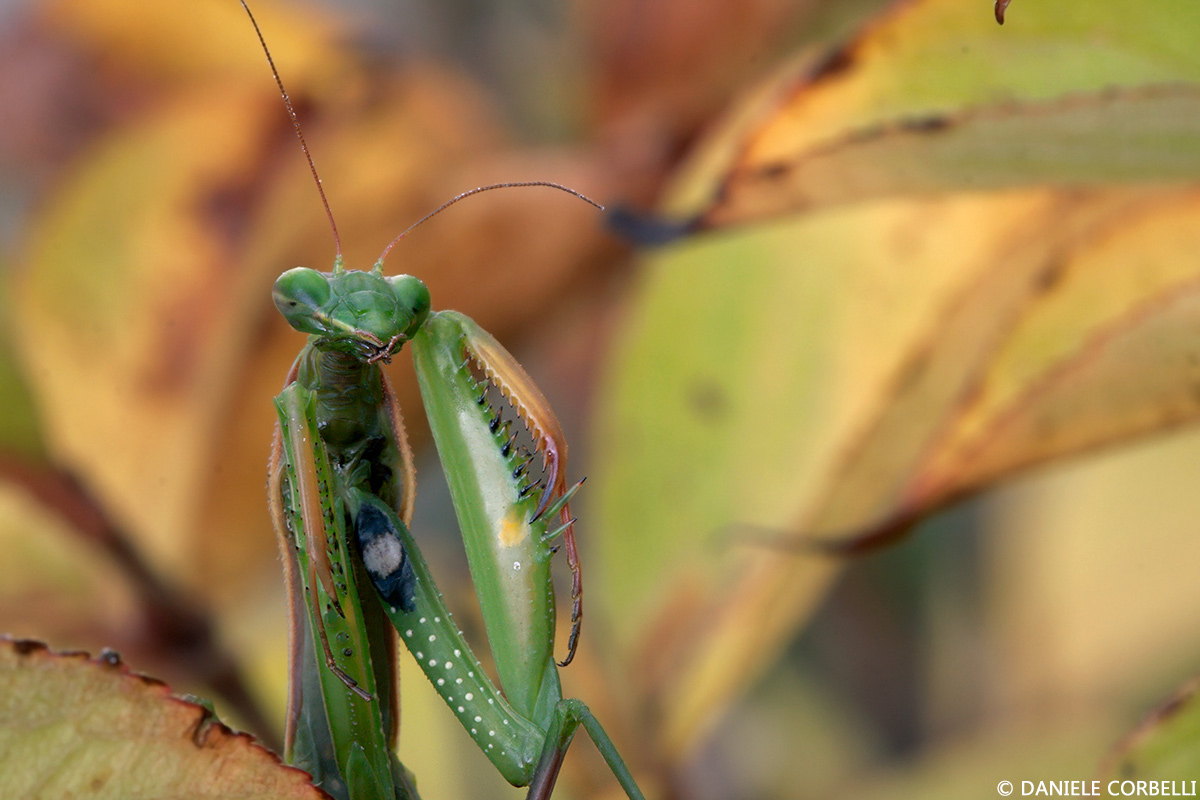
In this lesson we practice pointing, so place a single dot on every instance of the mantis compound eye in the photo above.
(413, 296)
(299, 295)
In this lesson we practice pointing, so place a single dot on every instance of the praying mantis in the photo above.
(341, 490)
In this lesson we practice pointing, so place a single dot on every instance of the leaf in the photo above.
(937, 97)
(1088, 341)
(1165, 746)
(73, 726)
(59, 585)
(843, 374)
(922, 350)
(130, 302)
(1069, 141)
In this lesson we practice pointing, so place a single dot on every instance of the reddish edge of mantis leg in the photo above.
(287, 552)
(295, 609)
(408, 477)
(535, 411)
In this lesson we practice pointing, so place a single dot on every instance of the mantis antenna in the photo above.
(477, 190)
(287, 101)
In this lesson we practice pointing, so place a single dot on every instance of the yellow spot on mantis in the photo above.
(513, 529)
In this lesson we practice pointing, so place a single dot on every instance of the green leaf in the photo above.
(911, 339)
(923, 350)
(1166, 745)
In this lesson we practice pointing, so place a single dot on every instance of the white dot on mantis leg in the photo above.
(437, 619)
(474, 732)
(433, 662)
(517, 566)
(469, 696)
(420, 655)
(449, 665)
(505, 722)
(491, 702)
(432, 638)
(441, 681)
(490, 746)
(457, 652)
(478, 718)
(470, 674)
(458, 681)
(491, 733)
(421, 621)
(408, 633)
(460, 709)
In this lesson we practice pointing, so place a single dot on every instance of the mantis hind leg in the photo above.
(568, 716)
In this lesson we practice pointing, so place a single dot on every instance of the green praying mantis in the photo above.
(341, 491)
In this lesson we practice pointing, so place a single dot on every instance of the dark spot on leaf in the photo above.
(181, 323)
(927, 124)
(1050, 277)
(708, 400)
(838, 61)
(774, 171)
(227, 209)
(914, 370)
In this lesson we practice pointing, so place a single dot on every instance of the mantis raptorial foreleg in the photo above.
(526, 751)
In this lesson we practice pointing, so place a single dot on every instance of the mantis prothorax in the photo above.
(341, 491)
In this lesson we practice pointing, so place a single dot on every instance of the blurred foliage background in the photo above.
(921, 255)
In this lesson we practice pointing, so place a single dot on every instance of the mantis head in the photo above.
(361, 313)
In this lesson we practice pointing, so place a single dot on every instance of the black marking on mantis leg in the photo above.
(384, 558)
(524, 465)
